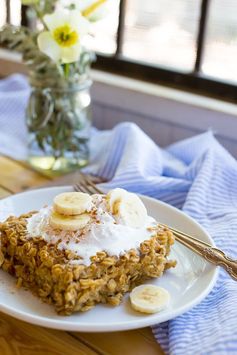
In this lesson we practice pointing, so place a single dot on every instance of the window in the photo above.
(187, 44)
(220, 49)
(159, 35)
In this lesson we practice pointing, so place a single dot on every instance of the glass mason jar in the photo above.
(59, 121)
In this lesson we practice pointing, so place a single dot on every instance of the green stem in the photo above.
(66, 70)
(40, 16)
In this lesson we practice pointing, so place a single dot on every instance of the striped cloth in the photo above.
(14, 93)
(196, 175)
(199, 176)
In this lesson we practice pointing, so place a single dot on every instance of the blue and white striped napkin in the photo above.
(199, 176)
(14, 93)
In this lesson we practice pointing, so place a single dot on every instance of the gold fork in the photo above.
(208, 252)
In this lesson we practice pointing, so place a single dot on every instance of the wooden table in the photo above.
(17, 337)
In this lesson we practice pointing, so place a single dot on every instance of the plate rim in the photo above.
(141, 322)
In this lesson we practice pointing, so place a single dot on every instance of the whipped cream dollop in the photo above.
(103, 233)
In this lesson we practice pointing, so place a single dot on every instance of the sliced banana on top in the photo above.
(68, 223)
(127, 207)
(72, 203)
(149, 298)
(112, 197)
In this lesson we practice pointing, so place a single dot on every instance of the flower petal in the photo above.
(48, 46)
(56, 19)
(97, 9)
(78, 22)
(73, 18)
(98, 14)
(86, 3)
(70, 54)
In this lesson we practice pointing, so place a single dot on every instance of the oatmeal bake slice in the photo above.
(76, 269)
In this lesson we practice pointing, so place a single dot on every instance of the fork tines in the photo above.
(85, 184)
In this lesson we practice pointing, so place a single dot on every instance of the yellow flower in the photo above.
(62, 42)
(65, 36)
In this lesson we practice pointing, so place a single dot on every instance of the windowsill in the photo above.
(142, 87)
(149, 100)
(164, 92)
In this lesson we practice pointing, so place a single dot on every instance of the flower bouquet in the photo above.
(58, 113)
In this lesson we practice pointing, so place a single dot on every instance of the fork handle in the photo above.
(211, 254)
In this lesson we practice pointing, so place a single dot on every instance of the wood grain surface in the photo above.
(20, 338)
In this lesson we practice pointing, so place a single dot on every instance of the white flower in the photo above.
(93, 10)
(62, 42)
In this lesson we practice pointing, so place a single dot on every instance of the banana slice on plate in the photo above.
(149, 298)
(68, 223)
(72, 203)
(112, 197)
(127, 207)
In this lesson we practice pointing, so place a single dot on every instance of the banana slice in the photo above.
(127, 207)
(112, 197)
(72, 203)
(68, 223)
(149, 298)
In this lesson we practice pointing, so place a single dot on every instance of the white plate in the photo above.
(188, 283)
